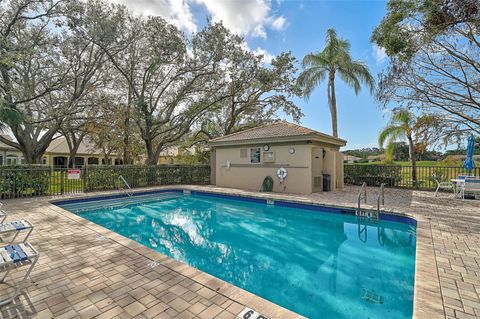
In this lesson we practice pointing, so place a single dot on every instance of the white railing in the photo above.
(127, 189)
(381, 197)
(362, 194)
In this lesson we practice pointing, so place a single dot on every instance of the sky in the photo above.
(272, 26)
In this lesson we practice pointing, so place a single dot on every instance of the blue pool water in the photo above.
(318, 264)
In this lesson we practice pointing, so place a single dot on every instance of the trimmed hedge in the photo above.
(23, 180)
(108, 177)
(373, 175)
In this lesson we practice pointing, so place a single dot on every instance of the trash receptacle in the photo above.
(326, 182)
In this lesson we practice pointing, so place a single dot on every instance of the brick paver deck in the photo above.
(86, 271)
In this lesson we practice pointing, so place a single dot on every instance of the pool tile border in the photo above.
(428, 302)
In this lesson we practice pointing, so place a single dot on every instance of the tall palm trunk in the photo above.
(413, 160)
(332, 101)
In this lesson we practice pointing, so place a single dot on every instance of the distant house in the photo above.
(58, 155)
(351, 159)
(311, 160)
(376, 158)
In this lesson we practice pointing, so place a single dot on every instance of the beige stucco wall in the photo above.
(242, 174)
(245, 175)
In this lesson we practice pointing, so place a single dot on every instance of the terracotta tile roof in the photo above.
(271, 130)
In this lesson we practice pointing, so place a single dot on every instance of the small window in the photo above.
(243, 153)
(268, 157)
(11, 159)
(255, 155)
(44, 160)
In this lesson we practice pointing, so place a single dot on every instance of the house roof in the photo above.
(276, 131)
(60, 146)
(351, 158)
(6, 147)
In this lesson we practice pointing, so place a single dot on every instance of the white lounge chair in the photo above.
(442, 185)
(14, 228)
(13, 257)
(471, 186)
(3, 214)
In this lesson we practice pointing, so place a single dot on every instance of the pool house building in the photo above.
(299, 160)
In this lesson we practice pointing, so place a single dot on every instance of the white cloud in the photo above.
(379, 54)
(279, 23)
(176, 12)
(246, 17)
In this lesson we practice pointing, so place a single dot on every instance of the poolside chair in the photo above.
(3, 214)
(442, 185)
(471, 186)
(14, 228)
(14, 257)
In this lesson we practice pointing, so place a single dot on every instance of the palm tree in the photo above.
(334, 58)
(405, 125)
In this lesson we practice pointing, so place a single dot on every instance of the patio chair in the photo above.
(14, 228)
(471, 186)
(3, 214)
(442, 185)
(14, 257)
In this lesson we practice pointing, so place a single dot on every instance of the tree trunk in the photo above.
(151, 153)
(126, 137)
(411, 153)
(73, 157)
(31, 148)
(332, 102)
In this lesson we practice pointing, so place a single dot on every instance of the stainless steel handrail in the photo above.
(381, 197)
(364, 197)
(127, 189)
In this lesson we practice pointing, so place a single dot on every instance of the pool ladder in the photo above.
(127, 189)
(362, 196)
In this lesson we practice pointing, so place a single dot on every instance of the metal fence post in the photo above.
(85, 177)
(62, 182)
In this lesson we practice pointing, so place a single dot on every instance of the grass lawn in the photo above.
(419, 163)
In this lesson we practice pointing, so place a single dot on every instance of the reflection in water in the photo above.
(318, 264)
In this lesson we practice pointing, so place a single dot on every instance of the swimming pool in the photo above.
(317, 261)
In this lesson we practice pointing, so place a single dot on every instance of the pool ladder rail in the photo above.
(127, 189)
(369, 215)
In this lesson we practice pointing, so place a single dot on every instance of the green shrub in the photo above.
(22, 180)
(267, 185)
(108, 177)
(373, 175)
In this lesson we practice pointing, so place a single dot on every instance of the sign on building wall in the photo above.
(73, 174)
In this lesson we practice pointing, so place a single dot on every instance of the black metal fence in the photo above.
(27, 181)
(401, 176)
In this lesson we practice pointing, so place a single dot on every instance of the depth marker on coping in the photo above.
(100, 237)
(248, 313)
(153, 264)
